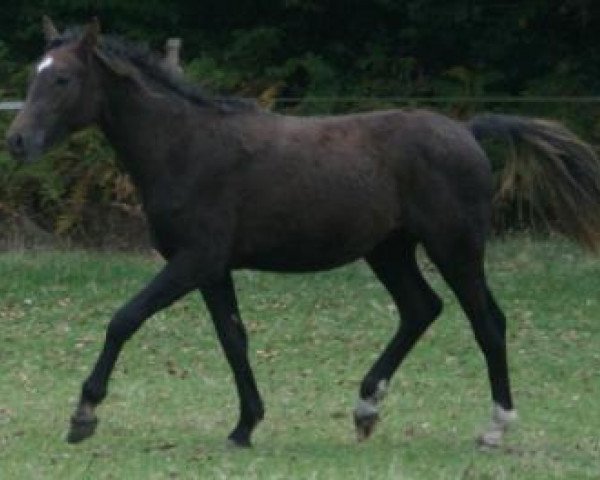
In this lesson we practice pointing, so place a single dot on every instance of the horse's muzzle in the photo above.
(24, 148)
(16, 145)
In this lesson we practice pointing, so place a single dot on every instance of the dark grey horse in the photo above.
(226, 185)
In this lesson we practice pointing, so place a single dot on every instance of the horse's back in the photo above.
(317, 192)
(399, 142)
(431, 164)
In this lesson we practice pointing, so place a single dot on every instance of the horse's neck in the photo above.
(144, 129)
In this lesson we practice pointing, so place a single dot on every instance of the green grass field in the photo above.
(172, 401)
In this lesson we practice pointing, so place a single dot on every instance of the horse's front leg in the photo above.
(176, 279)
(221, 302)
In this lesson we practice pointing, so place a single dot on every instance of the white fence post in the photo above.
(172, 48)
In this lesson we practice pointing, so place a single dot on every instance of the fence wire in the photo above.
(12, 105)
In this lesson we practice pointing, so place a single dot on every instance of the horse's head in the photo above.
(63, 95)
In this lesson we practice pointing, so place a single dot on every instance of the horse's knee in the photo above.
(419, 303)
(430, 308)
(418, 315)
(123, 325)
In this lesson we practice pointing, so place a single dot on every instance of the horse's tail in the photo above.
(558, 177)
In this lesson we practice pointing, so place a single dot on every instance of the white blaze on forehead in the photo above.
(46, 62)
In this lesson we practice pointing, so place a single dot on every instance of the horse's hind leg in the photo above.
(222, 304)
(461, 265)
(395, 265)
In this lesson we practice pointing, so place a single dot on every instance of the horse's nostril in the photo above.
(16, 144)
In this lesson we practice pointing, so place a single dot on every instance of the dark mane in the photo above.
(153, 68)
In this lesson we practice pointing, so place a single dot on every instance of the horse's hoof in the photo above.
(490, 440)
(502, 420)
(365, 424)
(81, 428)
(239, 438)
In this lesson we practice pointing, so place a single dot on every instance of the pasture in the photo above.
(172, 402)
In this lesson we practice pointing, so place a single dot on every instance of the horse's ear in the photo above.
(91, 34)
(50, 31)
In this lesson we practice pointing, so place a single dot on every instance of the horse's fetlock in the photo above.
(373, 388)
(254, 414)
(502, 420)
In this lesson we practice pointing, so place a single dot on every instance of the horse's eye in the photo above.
(62, 80)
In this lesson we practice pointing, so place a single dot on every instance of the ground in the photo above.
(172, 401)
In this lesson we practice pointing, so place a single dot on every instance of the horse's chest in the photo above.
(196, 224)
(166, 231)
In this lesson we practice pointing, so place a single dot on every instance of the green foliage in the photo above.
(304, 51)
(56, 192)
(318, 80)
(205, 70)
(376, 48)
(254, 49)
(13, 75)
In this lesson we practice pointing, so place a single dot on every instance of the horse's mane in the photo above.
(153, 67)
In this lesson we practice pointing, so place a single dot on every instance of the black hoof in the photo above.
(239, 438)
(365, 425)
(81, 428)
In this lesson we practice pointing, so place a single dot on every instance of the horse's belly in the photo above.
(315, 213)
(324, 244)
(298, 258)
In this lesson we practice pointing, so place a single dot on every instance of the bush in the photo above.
(70, 193)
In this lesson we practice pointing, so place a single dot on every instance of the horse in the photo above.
(227, 185)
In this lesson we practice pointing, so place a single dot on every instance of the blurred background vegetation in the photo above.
(301, 57)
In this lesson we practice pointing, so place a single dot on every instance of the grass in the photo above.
(172, 402)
